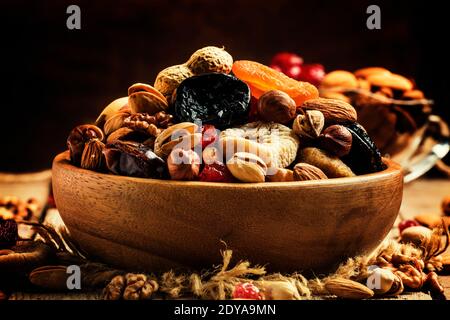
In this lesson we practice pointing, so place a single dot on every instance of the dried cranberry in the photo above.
(312, 73)
(209, 135)
(8, 233)
(405, 224)
(216, 172)
(285, 60)
(246, 291)
(293, 72)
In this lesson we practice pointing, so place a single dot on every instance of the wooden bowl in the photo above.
(288, 226)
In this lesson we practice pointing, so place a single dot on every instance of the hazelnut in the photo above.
(310, 124)
(77, 139)
(183, 164)
(337, 140)
(304, 171)
(276, 106)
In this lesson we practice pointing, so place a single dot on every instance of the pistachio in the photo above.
(337, 140)
(183, 135)
(276, 106)
(143, 98)
(92, 157)
(331, 165)
(110, 110)
(247, 167)
(183, 164)
(310, 124)
(304, 172)
(116, 121)
(334, 111)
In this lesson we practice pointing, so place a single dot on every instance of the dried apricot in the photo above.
(261, 78)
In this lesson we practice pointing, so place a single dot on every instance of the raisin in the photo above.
(364, 156)
(213, 98)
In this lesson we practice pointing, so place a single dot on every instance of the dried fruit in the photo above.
(312, 73)
(8, 233)
(247, 167)
(77, 139)
(216, 172)
(215, 98)
(348, 289)
(276, 106)
(336, 139)
(365, 72)
(406, 224)
(183, 164)
(331, 165)
(209, 135)
(261, 79)
(285, 60)
(339, 78)
(310, 124)
(135, 160)
(246, 291)
(168, 80)
(268, 139)
(390, 80)
(143, 98)
(334, 111)
(210, 59)
(305, 171)
(364, 156)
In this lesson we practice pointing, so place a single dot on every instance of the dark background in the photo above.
(54, 78)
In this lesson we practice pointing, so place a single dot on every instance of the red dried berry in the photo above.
(8, 233)
(405, 224)
(312, 73)
(285, 60)
(209, 135)
(246, 291)
(216, 172)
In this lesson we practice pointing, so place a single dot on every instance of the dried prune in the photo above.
(134, 160)
(213, 98)
(364, 156)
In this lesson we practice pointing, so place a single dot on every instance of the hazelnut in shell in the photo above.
(183, 164)
(276, 106)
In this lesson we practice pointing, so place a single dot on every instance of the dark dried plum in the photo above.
(214, 98)
(364, 156)
(134, 160)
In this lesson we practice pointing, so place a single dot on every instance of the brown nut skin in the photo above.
(446, 206)
(304, 172)
(183, 164)
(77, 139)
(337, 140)
(276, 106)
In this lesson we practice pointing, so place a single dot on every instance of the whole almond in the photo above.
(304, 172)
(348, 289)
(334, 111)
(391, 80)
(365, 72)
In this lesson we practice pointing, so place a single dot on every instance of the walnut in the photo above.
(151, 125)
(114, 289)
(130, 287)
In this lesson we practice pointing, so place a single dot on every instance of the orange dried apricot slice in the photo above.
(261, 78)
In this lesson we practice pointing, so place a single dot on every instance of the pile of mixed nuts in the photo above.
(212, 119)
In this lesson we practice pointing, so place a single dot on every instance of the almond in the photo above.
(391, 80)
(348, 289)
(305, 171)
(365, 72)
(413, 95)
(339, 78)
(334, 111)
(430, 220)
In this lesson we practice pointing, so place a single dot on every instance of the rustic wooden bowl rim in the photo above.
(393, 169)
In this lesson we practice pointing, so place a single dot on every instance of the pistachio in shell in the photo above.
(110, 110)
(143, 98)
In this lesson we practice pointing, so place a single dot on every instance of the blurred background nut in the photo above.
(446, 206)
(276, 106)
(390, 80)
(304, 172)
(247, 167)
(368, 71)
(183, 164)
(339, 78)
(310, 124)
(416, 235)
(337, 140)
